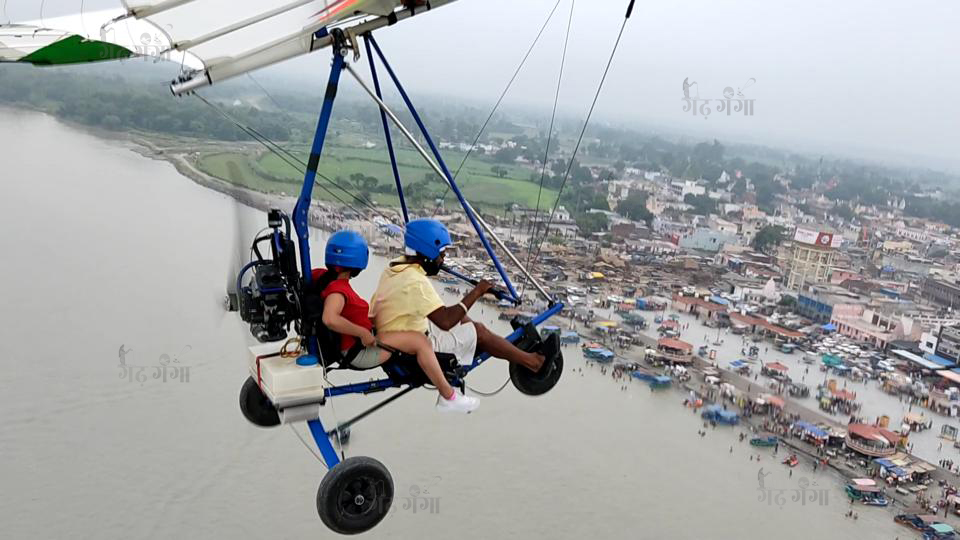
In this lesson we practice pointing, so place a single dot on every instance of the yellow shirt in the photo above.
(403, 299)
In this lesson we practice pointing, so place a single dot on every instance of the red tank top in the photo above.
(355, 308)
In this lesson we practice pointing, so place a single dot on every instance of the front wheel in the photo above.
(256, 406)
(537, 383)
(355, 495)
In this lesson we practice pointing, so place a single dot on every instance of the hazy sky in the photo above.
(841, 77)
(877, 75)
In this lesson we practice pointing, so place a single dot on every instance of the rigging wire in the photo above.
(293, 161)
(273, 147)
(489, 394)
(532, 230)
(496, 106)
(83, 21)
(333, 410)
(586, 124)
(301, 166)
(306, 444)
(264, 90)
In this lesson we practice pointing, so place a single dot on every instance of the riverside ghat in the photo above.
(818, 399)
(866, 412)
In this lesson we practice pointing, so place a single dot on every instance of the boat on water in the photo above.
(879, 500)
(716, 413)
(741, 367)
(791, 461)
(598, 354)
(548, 330)
(764, 442)
(919, 522)
(870, 495)
(655, 381)
(939, 531)
(661, 381)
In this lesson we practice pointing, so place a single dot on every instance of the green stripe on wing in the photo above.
(75, 49)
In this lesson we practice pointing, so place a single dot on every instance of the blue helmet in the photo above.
(347, 249)
(427, 237)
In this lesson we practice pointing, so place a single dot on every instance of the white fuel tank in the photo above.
(284, 381)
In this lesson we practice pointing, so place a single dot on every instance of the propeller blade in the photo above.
(242, 234)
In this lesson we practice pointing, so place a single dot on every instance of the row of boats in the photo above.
(928, 525)
(864, 490)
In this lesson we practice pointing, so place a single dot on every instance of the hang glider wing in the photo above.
(212, 40)
(89, 36)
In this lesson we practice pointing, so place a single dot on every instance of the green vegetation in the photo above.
(493, 177)
(768, 236)
(591, 223)
(367, 172)
(702, 204)
(635, 207)
(116, 104)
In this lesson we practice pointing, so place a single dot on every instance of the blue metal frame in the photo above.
(386, 132)
(301, 222)
(443, 166)
(301, 212)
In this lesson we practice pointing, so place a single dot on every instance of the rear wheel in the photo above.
(256, 407)
(355, 495)
(537, 383)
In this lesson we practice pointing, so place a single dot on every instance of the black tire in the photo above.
(355, 495)
(256, 407)
(536, 384)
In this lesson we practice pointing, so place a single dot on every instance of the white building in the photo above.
(914, 235)
(723, 226)
(682, 188)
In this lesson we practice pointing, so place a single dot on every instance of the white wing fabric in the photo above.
(211, 39)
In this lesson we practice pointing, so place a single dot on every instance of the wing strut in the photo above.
(441, 169)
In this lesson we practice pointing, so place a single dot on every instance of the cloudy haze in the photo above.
(864, 78)
(854, 74)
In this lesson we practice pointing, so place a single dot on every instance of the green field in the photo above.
(269, 173)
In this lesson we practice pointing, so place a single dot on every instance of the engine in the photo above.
(268, 287)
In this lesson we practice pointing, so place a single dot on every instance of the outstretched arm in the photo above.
(447, 317)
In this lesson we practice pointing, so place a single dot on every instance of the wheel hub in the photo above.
(359, 496)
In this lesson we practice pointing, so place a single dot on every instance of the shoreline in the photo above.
(246, 196)
(152, 146)
(752, 389)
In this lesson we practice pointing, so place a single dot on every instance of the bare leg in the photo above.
(418, 344)
(498, 347)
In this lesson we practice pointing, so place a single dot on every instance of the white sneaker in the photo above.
(459, 403)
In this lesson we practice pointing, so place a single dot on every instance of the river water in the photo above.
(107, 249)
(875, 402)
